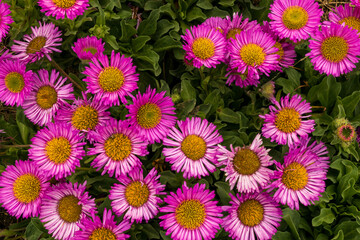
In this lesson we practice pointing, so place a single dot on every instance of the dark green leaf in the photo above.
(139, 42)
(350, 102)
(228, 115)
(292, 218)
(127, 31)
(149, 25)
(195, 13)
(326, 215)
(188, 92)
(166, 43)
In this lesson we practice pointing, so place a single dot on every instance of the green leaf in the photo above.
(204, 4)
(150, 231)
(347, 182)
(188, 92)
(327, 91)
(127, 31)
(195, 13)
(350, 103)
(149, 25)
(166, 43)
(326, 215)
(164, 26)
(111, 40)
(223, 190)
(228, 115)
(23, 124)
(216, 12)
(34, 230)
(292, 218)
(139, 42)
(226, 3)
(282, 236)
(153, 4)
(350, 230)
(174, 180)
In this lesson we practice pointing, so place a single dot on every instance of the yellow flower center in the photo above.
(36, 45)
(102, 234)
(64, 3)
(194, 147)
(148, 115)
(334, 49)
(251, 212)
(111, 79)
(118, 147)
(295, 176)
(137, 193)
(90, 49)
(69, 209)
(295, 17)
(27, 188)
(246, 162)
(84, 118)
(352, 22)
(279, 52)
(203, 48)
(252, 54)
(46, 97)
(288, 120)
(190, 214)
(232, 33)
(58, 150)
(14, 81)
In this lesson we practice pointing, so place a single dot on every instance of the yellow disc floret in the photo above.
(295, 17)
(194, 147)
(85, 118)
(27, 188)
(64, 3)
(58, 150)
(190, 214)
(232, 33)
(118, 147)
(46, 97)
(288, 120)
(203, 48)
(102, 234)
(137, 194)
(295, 176)
(352, 22)
(111, 79)
(14, 81)
(252, 54)
(69, 209)
(279, 52)
(334, 49)
(149, 115)
(90, 49)
(251, 212)
(36, 45)
(246, 162)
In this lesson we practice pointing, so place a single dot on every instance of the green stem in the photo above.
(84, 169)
(66, 75)
(14, 146)
(100, 200)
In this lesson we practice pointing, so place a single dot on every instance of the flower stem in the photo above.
(66, 75)
(84, 169)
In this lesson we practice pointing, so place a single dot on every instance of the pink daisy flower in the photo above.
(204, 46)
(48, 95)
(246, 167)
(237, 24)
(15, 82)
(334, 49)
(137, 196)
(285, 122)
(117, 144)
(5, 55)
(217, 23)
(64, 206)
(252, 216)
(153, 114)
(192, 148)
(60, 8)
(106, 229)
(248, 78)
(355, 2)
(109, 82)
(42, 42)
(23, 186)
(5, 19)
(345, 14)
(88, 47)
(57, 149)
(191, 213)
(296, 20)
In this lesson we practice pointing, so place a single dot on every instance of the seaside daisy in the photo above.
(88, 47)
(64, 206)
(15, 82)
(246, 167)
(5, 55)
(217, 23)
(248, 78)
(5, 19)
(355, 2)
(60, 8)
(22, 187)
(137, 196)
(48, 94)
(286, 120)
(346, 132)
(252, 216)
(296, 20)
(41, 42)
(346, 14)
(117, 145)
(111, 81)
(153, 114)
(204, 46)
(237, 24)
(57, 149)
(191, 213)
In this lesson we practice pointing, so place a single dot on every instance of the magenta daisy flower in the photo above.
(246, 167)
(5, 19)
(137, 196)
(355, 2)
(48, 95)
(42, 42)
(334, 49)
(106, 229)
(252, 215)
(237, 24)
(109, 82)
(64, 206)
(15, 82)
(117, 144)
(285, 122)
(192, 148)
(249, 78)
(5, 55)
(345, 14)
(217, 23)
(153, 114)
(60, 8)
(57, 149)
(204, 46)
(88, 47)
(296, 20)
(191, 213)
(23, 186)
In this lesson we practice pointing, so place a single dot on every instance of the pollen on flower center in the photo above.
(46, 97)
(64, 3)
(295, 176)
(118, 147)
(351, 21)
(203, 48)
(111, 79)
(85, 118)
(14, 81)
(288, 120)
(252, 54)
(58, 150)
(190, 214)
(69, 209)
(148, 115)
(27, 188)
(280, 52)
(232, 33)
(101, 234)
(246, 162)
(251, 212)
(90, 49)
(295, 17)
(36, 45)
(137, 193)
(334, 49)
(194, 147)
